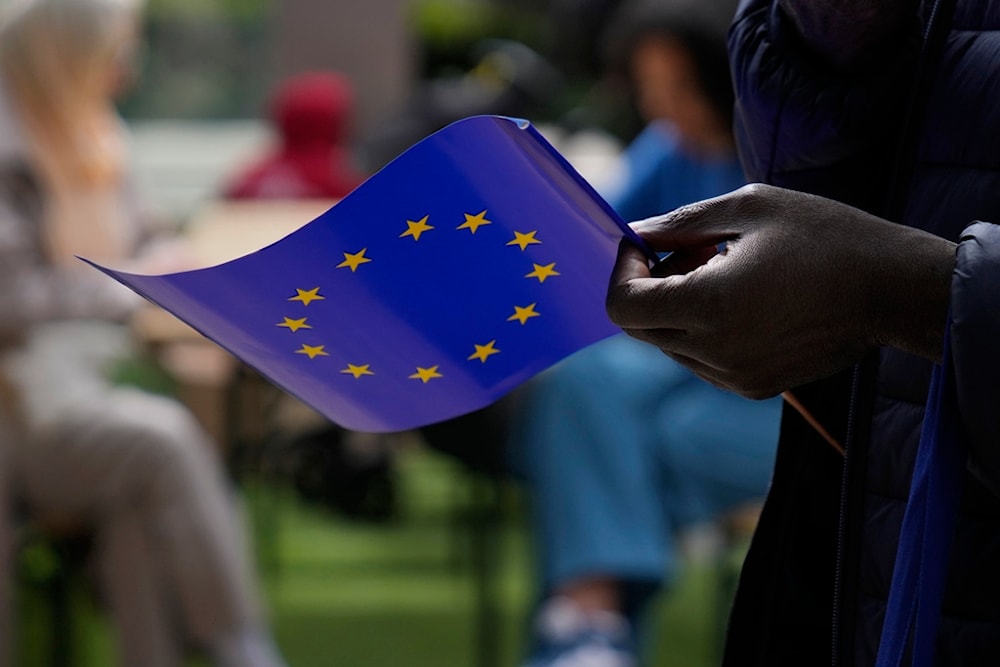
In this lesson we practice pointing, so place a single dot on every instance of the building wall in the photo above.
(369, 41)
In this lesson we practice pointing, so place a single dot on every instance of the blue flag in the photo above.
(473, 261)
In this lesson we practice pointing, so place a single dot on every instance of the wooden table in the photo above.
(223, 231)
(211, 382)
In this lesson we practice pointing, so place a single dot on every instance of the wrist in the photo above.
(913, 292)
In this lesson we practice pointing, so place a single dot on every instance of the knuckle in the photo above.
(752, 190)
(756, 197)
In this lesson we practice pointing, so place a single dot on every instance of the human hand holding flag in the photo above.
(475, 260)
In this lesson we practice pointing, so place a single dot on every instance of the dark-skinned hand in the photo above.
(804, 286)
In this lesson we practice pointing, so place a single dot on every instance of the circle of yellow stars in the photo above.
(415, 229)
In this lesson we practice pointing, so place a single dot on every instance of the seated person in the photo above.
(131, 468)
(616, 466)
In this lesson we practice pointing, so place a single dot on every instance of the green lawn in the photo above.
(343, 593)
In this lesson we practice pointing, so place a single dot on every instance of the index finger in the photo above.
(635, 299)
(697, 225)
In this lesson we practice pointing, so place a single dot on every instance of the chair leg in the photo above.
(48, 570)
(61, 610)
(486, 538)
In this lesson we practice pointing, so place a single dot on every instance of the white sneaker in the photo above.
(568, 636)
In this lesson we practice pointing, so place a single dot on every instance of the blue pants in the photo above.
(620, 447)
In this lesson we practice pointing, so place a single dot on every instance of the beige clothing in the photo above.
(137, 470)
(133, 468)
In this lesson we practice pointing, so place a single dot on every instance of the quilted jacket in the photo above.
(912, 135)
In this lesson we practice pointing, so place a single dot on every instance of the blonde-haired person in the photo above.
(131, 468)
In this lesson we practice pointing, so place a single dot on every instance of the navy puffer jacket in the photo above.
(913, 136)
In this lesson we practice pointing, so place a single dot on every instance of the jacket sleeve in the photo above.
(803, 125)
(975, 345)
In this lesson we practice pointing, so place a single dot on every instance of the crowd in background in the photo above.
(86, 454)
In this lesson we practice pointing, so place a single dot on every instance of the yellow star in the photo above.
(313, 351)
(522, 315)
(354, 260)
(307, 296)
(543, 272)
(294, 325)
(474, 222)
(415, 229)
(425, 375)
(524, 240)
(358, 371)
(484, 351)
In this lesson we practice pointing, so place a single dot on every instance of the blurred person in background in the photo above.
(621, 447)
(130, 468)
(311, 116)
(573, 28)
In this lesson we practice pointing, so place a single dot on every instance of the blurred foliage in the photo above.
(449, 30)
(215, 59)
(210, 59)
(202, 60)
(453, 34)
(233, 9)
(37, 562)
(143, 372)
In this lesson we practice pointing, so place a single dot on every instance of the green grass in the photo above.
(342, 593)
(345, 593)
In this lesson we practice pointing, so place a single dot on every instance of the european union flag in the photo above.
(476, 259)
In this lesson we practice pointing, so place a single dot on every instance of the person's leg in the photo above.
(90, 450)
(138, 606)
(200, 552)
(583, 444)
(717, 450)
(205, 551)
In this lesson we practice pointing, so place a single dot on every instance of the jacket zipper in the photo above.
(842, 528)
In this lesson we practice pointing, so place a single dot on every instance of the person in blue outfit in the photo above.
(615, 467)
(855, 296)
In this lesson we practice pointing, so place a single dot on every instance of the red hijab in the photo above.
(311, 113)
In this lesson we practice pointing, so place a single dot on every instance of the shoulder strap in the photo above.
(920, 573)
